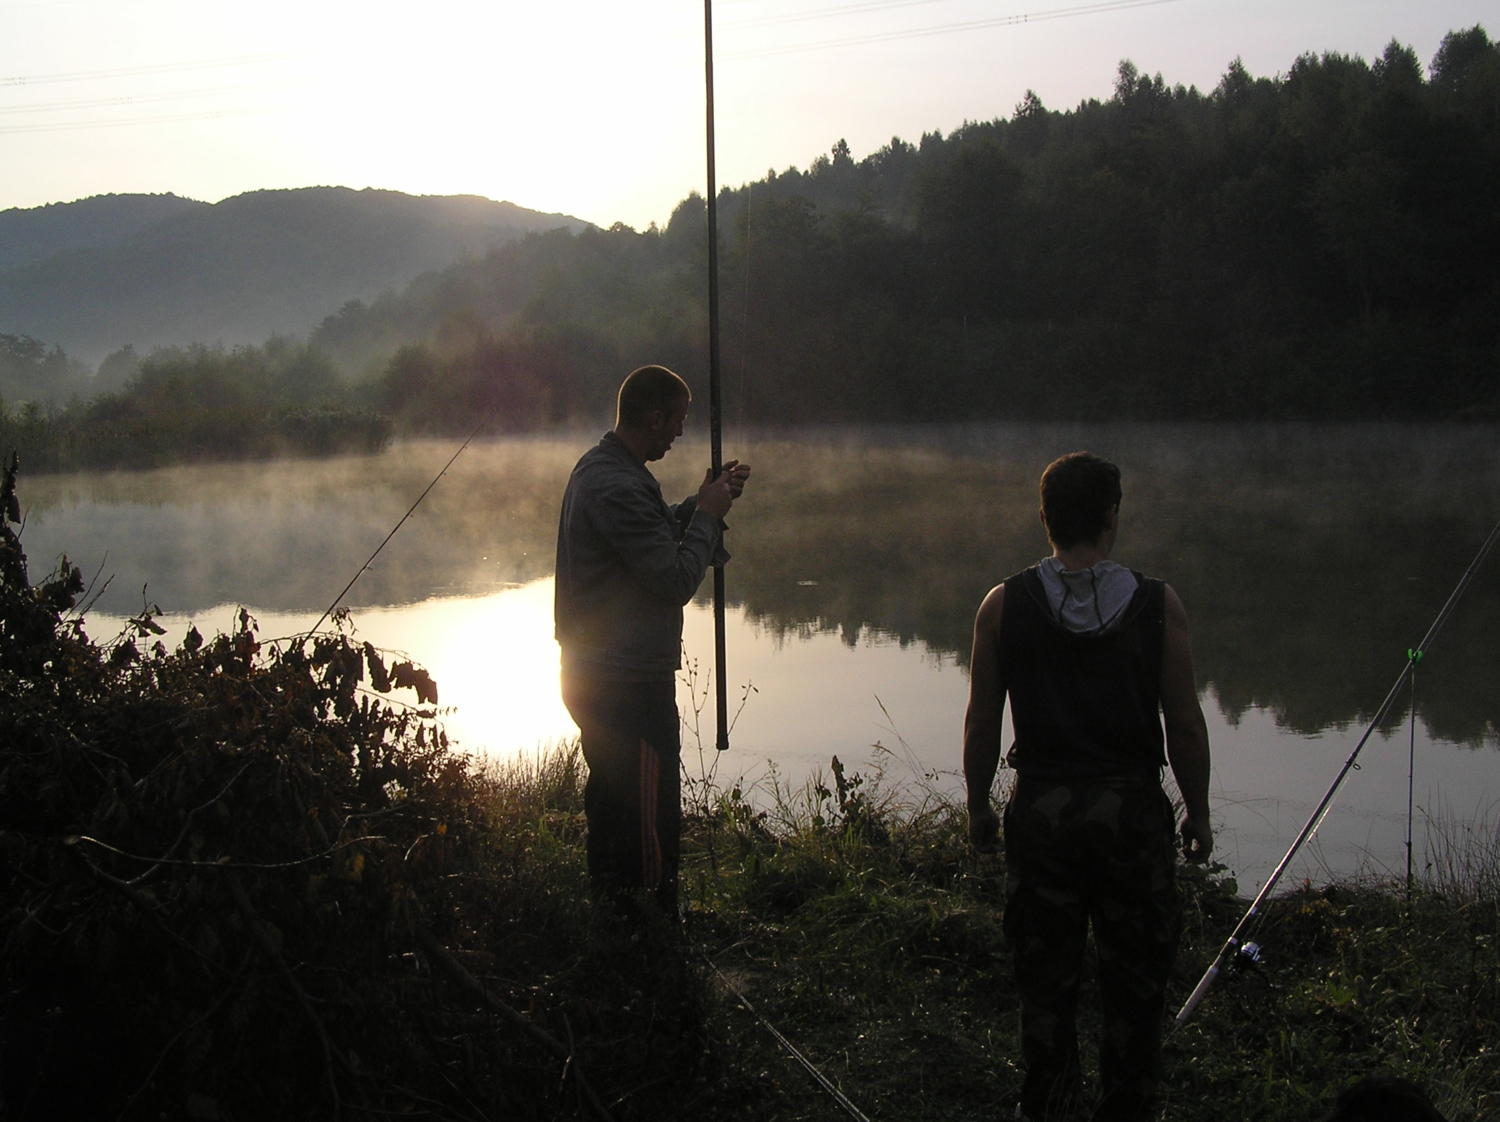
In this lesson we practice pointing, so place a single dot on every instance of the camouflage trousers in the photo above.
(1097, 853)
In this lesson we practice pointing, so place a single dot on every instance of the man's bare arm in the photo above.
(982, 721)
(1187, 731)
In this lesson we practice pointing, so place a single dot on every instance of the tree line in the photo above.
(197, 403)
(1323, 244)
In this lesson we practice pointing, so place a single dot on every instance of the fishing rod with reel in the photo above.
(715, 407)
(715, 397)
(1238, 950)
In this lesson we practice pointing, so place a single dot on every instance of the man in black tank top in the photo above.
(1094, 659)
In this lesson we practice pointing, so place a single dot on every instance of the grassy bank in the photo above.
(872, 940)
(248, 878)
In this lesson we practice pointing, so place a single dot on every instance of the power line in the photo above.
(827, 13)
(952, 28)
(134, 99)
(170, 118)
(135, 71)
(48, 4)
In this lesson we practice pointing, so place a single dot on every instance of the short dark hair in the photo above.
(1383, 1097)
(647, 390)
(1077, 491)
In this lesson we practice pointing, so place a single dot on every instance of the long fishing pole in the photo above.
(1234, 945)
(715, 399)
(328, 611)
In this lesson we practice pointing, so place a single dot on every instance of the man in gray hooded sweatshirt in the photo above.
(1094, 658)
(627, 563)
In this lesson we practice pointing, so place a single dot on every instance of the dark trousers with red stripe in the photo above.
(633, 797)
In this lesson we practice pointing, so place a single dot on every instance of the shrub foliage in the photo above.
(234, 872)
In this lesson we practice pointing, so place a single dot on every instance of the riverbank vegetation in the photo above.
(249, 877)
(200, 403)
(1317, 245)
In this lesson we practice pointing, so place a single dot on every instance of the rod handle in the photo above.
(1199, 993)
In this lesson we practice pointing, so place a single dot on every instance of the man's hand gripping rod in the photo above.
(1234, 945)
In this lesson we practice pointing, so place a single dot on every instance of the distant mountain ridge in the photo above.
(160, 270)
(32, 234)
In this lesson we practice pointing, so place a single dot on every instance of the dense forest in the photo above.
(31, 372)
(1321, 244)
(32, 234)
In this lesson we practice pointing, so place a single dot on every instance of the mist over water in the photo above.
(1309, 558)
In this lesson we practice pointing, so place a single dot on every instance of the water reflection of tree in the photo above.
(1309, 557)
(284, 536)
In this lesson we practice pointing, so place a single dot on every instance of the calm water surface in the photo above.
(1309, 559)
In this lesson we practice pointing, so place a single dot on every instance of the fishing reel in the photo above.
(1249, 958)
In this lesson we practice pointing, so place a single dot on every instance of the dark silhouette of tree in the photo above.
(1322, 244)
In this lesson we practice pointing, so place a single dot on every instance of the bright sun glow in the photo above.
(815, 697)
(593, 108)
(494, 660)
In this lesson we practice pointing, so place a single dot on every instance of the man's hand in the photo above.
(718, 493)
(738, 474)
(1197, 840)
(984, 828)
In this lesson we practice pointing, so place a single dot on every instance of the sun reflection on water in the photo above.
(851, 542)
(816, 695)
(494, 659)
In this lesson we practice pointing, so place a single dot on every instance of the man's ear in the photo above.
(1112, 518)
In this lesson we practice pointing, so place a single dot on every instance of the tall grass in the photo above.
(853, 914)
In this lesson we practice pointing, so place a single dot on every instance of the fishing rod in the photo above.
(715, 401)
(1238, 949)
(328, 611)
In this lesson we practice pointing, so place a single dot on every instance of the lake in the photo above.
(1309, 558)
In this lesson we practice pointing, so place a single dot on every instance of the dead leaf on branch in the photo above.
(404, 675)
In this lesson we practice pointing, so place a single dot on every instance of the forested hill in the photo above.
(94, 275)
(30, 234)
(1325, 243)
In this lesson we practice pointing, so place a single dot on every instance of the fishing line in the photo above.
(1236, 947)
(823, 1081)
(365, 567)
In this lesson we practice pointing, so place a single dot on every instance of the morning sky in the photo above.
(593, 107)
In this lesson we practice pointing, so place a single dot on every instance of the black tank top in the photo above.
(1083, 706)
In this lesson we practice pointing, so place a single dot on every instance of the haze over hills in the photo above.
(32, 234)
(1324, 244)
(159, 270)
